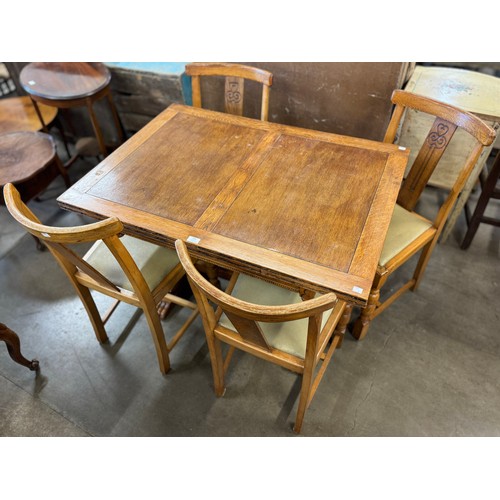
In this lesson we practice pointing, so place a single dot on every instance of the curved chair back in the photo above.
(235, 74)
(57, 238)
(144, 277)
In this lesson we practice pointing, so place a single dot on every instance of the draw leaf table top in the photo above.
(300, 208)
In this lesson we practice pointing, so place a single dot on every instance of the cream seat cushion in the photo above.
(289, 337)
(155, 262)
(404, 228)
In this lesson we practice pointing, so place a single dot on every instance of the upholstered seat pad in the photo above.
(289, 337)
(404, 228)
(155, 262)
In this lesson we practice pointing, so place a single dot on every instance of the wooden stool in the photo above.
(29, 160)
(17, 114)
(14, 348)
(489, 191)
(70, 85)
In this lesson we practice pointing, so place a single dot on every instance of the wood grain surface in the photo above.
(17, 114)
(64, 80)
(297, 207)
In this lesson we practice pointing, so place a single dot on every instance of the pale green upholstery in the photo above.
(404, 228)
(289, 337)
(155, 262)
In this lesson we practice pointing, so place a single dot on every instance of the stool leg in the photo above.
(97, 128)
(486, 193)
(14, 348)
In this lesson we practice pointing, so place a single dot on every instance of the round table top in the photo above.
(64, 80)
(23, 155)
(17, 114)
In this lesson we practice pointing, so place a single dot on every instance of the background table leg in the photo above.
(97, 129)
(14, 348)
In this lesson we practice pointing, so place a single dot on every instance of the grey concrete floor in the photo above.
(429, 366)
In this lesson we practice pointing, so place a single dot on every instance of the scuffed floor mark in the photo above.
(367, 395)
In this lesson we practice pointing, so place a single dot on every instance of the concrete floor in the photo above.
(429, 366)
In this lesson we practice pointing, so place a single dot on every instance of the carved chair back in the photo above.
(447, 120)
(234, 84)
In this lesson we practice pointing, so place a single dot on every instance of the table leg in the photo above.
(63, 135)
(97, 128)
(212, 275)
(14, 348)
(342, 324)
(116, 118)
(487, 192)
(39, 114)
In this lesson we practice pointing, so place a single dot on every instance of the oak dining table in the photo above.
(303, 209)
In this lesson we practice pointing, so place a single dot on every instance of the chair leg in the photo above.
(362, 324)
(217, 362)
(158, 335)
(307, 375)
(214, 344)
(305, 391)
(92, 311)
(422, 263)
(85, 296)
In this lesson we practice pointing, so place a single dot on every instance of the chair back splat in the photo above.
(234, 88)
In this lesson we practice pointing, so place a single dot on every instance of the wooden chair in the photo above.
(268, 331)
(234, 85)
(409, 232)
(126, 269)
(489, 191)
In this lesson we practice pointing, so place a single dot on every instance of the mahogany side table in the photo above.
(70, 85)
(29, 160)
(489, 190)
